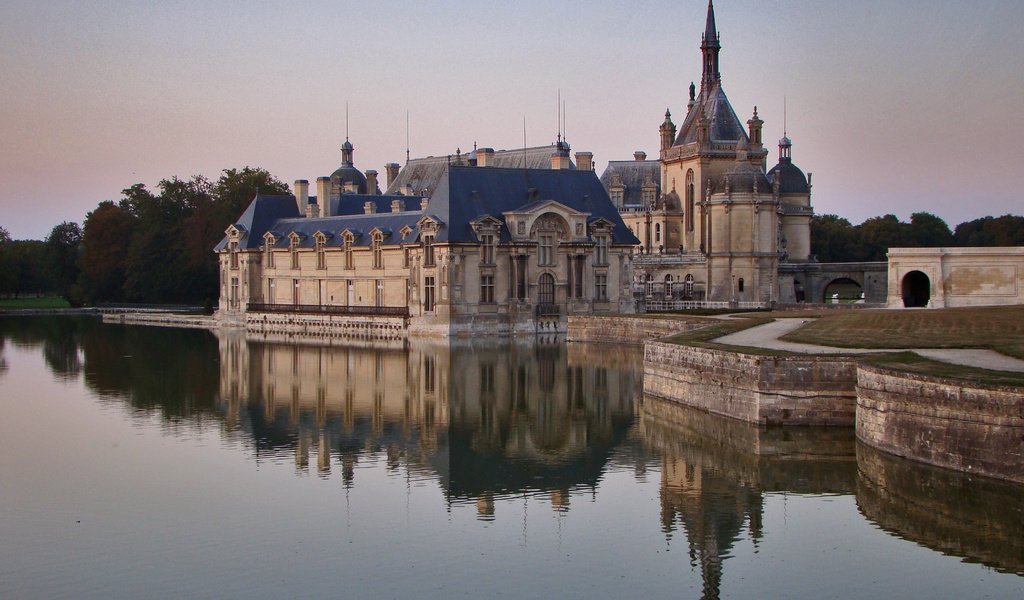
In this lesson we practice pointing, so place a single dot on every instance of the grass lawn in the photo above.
(997, 328)
(912, 363)
(717, 328)
(44, 302)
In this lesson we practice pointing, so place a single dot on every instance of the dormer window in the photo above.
(601, 250)
(233, 252)
(294, 247)
(268, 248)
(378, 252)
(428, 251)
(487, 249)
(321, 254)
(347, 251)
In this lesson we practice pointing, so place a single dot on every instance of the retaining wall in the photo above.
(968, 427)
(626, 330)
(767, 390)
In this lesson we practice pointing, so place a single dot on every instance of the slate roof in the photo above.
(352, 204)
(465, 194)
(725, 126)
(424, 173)
(634, 173)
(793, 180)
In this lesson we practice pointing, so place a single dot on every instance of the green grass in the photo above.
(701, 338)
(42, 302)
(909, 362)
(996, 328)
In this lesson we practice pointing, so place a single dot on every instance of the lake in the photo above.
(167, 463)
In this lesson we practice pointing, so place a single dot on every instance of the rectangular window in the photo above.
(349, 264)
(428, 294)
(270, 254)
(233, 250)
(233, 299)
(378, 254)
(546, 251)
(407, 257)
(487, 249)
(428, 251)
(379, 296)
(601, 251)
(295, 254)
(578, 278)
(321, 255)
(270, 291)
(600, 286)
(487, 289)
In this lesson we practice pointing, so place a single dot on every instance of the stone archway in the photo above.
(916, 289)
(842, 290)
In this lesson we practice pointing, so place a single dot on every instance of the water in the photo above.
(160, 463)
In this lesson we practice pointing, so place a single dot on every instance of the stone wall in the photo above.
(627, 330)
(321, 326)
(969, 427)
(767, 390)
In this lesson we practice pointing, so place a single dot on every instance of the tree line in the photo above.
(149, 247)
(835, 239)
(156, 246)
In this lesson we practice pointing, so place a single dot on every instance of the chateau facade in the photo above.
(714, 224)
(469, 247)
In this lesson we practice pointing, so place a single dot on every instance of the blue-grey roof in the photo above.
(362, 225)
(791, 179)
(465, 194)
(354, 204)
(633, 173)
(261, 214)
(724, 125)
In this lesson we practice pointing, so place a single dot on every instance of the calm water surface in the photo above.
(164, 463)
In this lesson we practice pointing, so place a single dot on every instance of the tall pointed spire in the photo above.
(709, 48)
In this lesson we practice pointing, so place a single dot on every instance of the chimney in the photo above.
(301, 195)
(423, 203)
(369, 207)
(408, 189)
(371, 182)
(312, 210)
(639, 155)
(392, 171)
(585, 161)
(485, 157)
(397, 206)
(323, 195)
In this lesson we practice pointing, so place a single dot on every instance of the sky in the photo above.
(896, 107)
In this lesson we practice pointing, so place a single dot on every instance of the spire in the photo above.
(709, 48)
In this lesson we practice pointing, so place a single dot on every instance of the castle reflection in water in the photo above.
(488, 420)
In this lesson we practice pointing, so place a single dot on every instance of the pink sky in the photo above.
(895, 107)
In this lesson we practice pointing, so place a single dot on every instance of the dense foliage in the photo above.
(834, 239)
(151, 247)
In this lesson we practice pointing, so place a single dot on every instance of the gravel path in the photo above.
(767, 336)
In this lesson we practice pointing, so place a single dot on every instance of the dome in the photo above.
(741, 179)
(791, 178)
(349, 174)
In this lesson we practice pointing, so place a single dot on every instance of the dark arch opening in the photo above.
(842, 291)
(546, 292)
(916, 289)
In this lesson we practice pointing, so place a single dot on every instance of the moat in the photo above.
(159, 462)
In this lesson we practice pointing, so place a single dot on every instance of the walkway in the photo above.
(767, 336)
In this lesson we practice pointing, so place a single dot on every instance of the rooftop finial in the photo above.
(346, 120)
(709, 49)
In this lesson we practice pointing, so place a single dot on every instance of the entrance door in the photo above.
(916, 289)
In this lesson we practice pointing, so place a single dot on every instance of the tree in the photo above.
(834, 239)
(878, 234)
(63, 248)
(1007, 230)
(105, 239)
(928, 231)
(8, 265)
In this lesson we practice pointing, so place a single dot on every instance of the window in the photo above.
(487, 249)
(349, 261)
(407, 257)
(270, 291)
(233, 299)
(668, 287)
(428, 251)
(689, 200)
(295, 252)
(487, 289)
(657, 233)
(601, 286)
(576, 276)
(739, 285)
(378, 253)
(546, 289)
(688, 287)
(378, 298)
(601, 254)
(269, 249)
(233, 250)
(428, 294)
(321, 255)
(546, 255)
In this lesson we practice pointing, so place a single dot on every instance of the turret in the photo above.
(754, 130)
(710, 47)
(667, 131)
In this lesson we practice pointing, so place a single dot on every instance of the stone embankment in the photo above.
(968, 427)
(161, 319)
(766, 390)
(328, 326)
(625, 329)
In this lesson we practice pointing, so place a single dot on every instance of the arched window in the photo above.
(689, 200)
(688, 287)
(668, 287)
(546, 289)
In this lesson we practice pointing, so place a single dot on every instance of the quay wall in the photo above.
(161, 319)
(969, 427)
(766, 390)
(328, 326)
(625, 329)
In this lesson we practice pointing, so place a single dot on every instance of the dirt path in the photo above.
(767, 336)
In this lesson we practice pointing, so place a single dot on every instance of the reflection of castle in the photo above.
(488, 419)
(715, 470)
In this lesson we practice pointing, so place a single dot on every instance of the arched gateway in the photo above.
(915, 289)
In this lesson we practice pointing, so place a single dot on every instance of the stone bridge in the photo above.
(817, 283)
